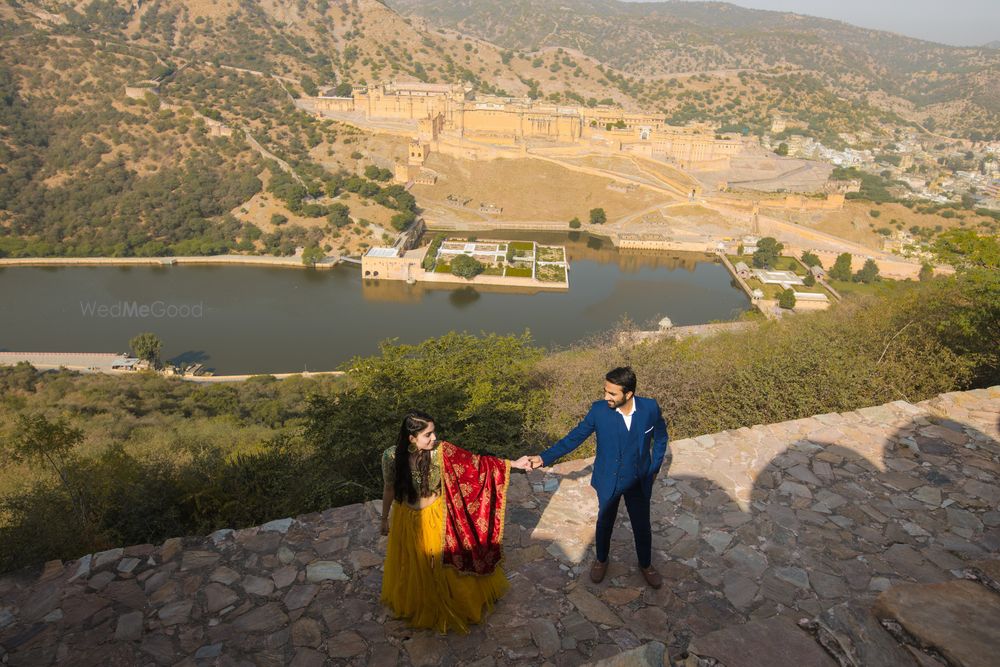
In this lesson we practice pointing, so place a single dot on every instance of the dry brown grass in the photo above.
(530, 189)
(855, 223)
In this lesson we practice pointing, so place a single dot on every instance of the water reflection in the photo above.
(463, 297)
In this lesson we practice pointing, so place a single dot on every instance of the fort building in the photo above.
(452, 111)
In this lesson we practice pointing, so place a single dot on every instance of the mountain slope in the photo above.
(662, 39)
(187, 164)
(87, 170)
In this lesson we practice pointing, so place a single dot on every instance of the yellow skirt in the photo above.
(417, 587)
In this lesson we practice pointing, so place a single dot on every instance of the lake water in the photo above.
(248, 319)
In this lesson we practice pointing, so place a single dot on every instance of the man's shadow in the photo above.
(791, 523)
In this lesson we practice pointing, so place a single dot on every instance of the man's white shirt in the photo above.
(628, 417)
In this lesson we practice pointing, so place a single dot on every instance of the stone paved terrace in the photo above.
(754, 529)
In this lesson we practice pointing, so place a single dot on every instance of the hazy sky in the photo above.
(959, 22)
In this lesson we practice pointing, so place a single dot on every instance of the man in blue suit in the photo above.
(631, 445)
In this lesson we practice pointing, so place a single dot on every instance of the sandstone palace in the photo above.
(452, 113)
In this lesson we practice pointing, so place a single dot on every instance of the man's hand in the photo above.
(527, 463)
(523, 463)
(385, 525)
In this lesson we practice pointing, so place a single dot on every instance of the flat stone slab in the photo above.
(852, 633)
(958, 619)
(592, 608)
(653, 654)
(774, 642)
(277, 526)
(324, 570)
(988, 571)
(268, 618)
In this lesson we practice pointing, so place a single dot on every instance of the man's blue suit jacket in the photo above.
(624, 456)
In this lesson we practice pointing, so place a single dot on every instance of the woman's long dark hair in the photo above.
(414, 422)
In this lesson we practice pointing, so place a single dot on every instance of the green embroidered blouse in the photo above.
(389, 469)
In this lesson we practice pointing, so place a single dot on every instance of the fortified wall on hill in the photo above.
(454, 110)
(879, 527)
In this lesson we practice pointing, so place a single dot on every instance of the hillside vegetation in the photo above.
(86, 170)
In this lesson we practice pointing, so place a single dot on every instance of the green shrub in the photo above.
(480, 390)
(431, 257)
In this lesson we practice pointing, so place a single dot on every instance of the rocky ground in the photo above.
(775, 542)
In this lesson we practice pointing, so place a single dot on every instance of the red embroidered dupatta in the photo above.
(475, 500)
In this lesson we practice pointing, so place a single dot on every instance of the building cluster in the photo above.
(926, 168)
(783, 279)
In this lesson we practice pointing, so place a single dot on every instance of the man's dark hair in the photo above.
(624, 377)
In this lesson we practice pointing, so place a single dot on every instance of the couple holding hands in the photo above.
(442, 564)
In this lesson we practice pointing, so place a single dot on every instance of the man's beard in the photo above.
(617, 404)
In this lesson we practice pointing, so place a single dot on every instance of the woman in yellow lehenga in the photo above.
(442, 563)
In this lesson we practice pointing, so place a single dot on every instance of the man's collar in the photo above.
(635, 406)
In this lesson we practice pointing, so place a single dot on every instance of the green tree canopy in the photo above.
(466, 266)
(401, 221)
(309, 86)
(841, 269)
(376, 174)
(339, 215)
(598, 216)
(810, 259)
(146, 346)
(768, 251)
(965, 248)
(312, 254)
(868, 272)
(787, 299)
